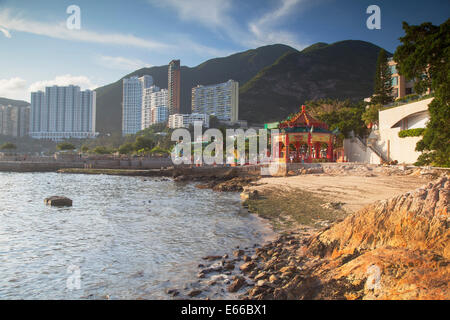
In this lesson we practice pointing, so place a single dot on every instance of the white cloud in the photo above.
(63, 80)
(17, 88)
(13, 88)
(5, 32)
(265, 29)
(122, 63)
(208, 12)
(60, 31)
(215, 14)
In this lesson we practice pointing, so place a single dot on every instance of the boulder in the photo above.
(194, 293)
(238, 253)
(212, 258)
(248, 266)
(58, 201)
(237, 284)
(229, 266)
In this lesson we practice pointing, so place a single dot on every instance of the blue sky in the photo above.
(118, 37)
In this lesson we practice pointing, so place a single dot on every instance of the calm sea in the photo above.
(124, 237)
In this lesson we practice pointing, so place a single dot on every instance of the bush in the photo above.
(408, 97)
(126, 148)
(102, 150)
(159, 150)
(144, 143)
(8, 146)
(411, 133)
(65, 146)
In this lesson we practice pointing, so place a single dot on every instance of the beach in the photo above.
(302, 207)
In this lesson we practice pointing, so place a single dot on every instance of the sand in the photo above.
(354, 192)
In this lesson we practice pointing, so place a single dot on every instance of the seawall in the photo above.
(52, 166)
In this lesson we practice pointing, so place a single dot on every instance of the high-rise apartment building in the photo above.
(219, 100)
(62, 113)
(14, 121)
(146, 112)
(160, 114)
(154, 106)
(186, 120)
(400, 85)
(174, 86)
(133, 90)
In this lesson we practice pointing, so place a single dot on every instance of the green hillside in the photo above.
(340, 70)
(18, 103)
(240, 67)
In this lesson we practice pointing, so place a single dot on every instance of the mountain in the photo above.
(274, 80)
(18, 103)
(241, 67)
(340, 70)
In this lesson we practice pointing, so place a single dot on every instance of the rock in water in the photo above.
(58, 201)
(237, 284)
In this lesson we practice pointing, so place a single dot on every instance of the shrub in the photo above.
(102, 150)
(65, 146)
(8, 146)
(411, 133)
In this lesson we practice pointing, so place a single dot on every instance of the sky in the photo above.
(116, 37)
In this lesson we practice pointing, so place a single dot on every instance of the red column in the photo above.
(309, 147)
(330, 149)
(317, 147)
(286, 148)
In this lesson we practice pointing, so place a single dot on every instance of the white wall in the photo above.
(357, 152)
(415, 115)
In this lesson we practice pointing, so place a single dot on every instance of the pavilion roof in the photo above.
(302, 119)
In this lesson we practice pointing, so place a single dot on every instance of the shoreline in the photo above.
(278, 206)
(264, 271)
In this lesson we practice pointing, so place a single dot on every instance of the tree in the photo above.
(159, 150)
(65, 146)
(8, 146)
(102, 150)
(370, 116)
(383, 80)
(126, 148)
(144, 143)
(84, 148)
(342, 115)
(424, 55)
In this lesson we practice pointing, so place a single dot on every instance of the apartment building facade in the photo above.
(186, 120)
(154, 106)
(219, 100)
(400, 85)
(62, 113)
(174, 87)
(133, 90)
(160, 114)
(14, 120)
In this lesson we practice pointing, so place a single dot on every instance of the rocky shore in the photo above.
(390, 249)
(227, 181)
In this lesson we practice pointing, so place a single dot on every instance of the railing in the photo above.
(371, 147)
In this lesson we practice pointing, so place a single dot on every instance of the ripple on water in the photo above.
(130, 238)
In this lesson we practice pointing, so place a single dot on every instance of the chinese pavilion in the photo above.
(302, 138)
